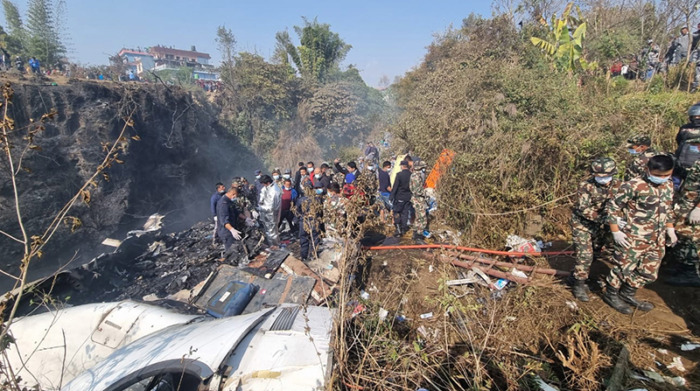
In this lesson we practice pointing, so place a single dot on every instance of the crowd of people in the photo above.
(651, 60)
(312, 201)
(631, 221)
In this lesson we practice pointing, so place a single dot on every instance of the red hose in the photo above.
(471, 249)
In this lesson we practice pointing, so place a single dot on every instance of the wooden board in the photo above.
(296, 267)
(278, 290)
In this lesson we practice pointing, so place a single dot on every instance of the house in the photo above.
(169, 58)
(158, 58)
(137, 61)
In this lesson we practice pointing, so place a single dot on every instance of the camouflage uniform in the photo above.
(588, 226)
(646, 208)
(688, 234)
(637, 167)
(419, 198)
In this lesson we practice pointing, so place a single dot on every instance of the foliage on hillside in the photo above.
(524, 133)
(303, 105)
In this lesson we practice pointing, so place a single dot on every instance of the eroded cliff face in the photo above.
(181, 152)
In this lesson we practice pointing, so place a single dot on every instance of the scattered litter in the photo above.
(427, 315)
(653, 375)
(686, 347)
(544, 245)
(400, 318)
(518, 273)
(640, 389)
(364, 295)
(663, 351)
(501, 283)
(431, 268)
(677, 364)
(385, 264)
(422, 331)
(329, 266)
(112, 242)
(511, 318)
(151, 297)
(373, 288)
(544, 386)
(358, 310)
(515, 243)
(572, 305)
(463, 281)
(382, 314)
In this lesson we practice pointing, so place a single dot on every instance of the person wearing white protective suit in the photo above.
(269, 205)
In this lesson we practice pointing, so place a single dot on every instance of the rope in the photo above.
(509, 212)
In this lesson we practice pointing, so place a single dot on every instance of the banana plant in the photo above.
(564, 48)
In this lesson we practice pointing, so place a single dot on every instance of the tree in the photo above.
(17, 35)
(319, 53)
(227, 47)
(563, 47)
(44, 41)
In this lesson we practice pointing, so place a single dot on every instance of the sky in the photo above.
(387, 37)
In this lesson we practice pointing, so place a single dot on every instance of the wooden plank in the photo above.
(296, 267)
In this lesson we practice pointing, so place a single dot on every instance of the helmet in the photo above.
(419, 165)
(639, 139)
(603, 166)
(694, 111)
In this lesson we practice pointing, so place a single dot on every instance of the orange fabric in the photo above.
(440, 167)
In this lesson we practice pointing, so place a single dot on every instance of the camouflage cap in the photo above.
(603, 166)
(419, 165)
(639, 139)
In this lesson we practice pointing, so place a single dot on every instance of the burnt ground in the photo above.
(151, 266)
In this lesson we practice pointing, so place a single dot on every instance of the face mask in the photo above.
(258, 176)
(319, 191)
(318, 176)
(286, 176)
(632, 151)
(277, 177)
(694, 148)
(371, 168)
(603, 180)
(222, 192)
(287, 188)
(656, 180)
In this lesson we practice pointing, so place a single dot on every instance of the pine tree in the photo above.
(44, 42)
(16, 35)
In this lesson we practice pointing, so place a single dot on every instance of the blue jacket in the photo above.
(226, 213)
(213, 201)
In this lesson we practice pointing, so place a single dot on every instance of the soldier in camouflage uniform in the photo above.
(640, 147)
(419, 201)
(588, 220)
(646, 206)
(687, 215)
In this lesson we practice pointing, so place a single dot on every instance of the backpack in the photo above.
(686, 158)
